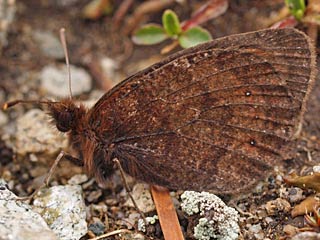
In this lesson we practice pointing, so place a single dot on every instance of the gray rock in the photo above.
(141, 194)
(138, 236)
(54, 79)
(295, 195)
(218, 221)
(7, 15)
(64, 210)
(35, 134)
(19, 222)
(256, 231)
(307, 236)
(97, 227)
(110, 69)
(131, 220)
(94, 196)
(132, 236)
(78, 179)
(66, 3)
(3, 118)
(316, 168)
(255, 228)
(49, 44)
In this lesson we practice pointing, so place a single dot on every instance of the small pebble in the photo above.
(54, 79)
(49, 44)
(131, 220)
(111, 201)
(261, 213)
(255, 228)
(3, 118)
(142, 196)
(259, 236)
(110, 69)
(290, 230)
(307, 236)
(256, 231)
(273, 207)
(268, 220)
(98, 209)
(259, 188)
(66, 3)
(7, 17)
(316, 168)
(78, 179)
(94, 196)
(138, 236)
(295, 195)
(97, 227)
(279, 178)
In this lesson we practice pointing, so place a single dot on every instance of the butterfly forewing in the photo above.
(213, 117)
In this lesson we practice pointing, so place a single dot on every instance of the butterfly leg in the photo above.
(45, 183)
(128, 190)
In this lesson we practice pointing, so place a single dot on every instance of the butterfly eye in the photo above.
(64, 121)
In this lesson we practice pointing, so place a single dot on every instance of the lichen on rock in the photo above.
(217, 220)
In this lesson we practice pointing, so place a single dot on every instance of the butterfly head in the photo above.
(66, 114)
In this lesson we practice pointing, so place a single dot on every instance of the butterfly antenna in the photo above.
(65, 49)
(7, 105)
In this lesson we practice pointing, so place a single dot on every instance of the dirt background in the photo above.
(89, 41)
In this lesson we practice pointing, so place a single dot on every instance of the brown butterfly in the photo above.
(215, 117)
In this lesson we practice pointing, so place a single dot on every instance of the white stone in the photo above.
(316, 168)
(78, 179)
(64, 210)
(306, 236)
(110, 69)
(3, 118)
(54, 79)
(49, 44)
(19, 222)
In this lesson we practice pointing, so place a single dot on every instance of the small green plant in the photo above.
(171, 28)
(297, 8)
(307, 12)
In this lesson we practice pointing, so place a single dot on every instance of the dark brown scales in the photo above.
(213, 117)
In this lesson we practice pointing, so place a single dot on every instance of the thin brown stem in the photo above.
(115, 232)
(121, 12)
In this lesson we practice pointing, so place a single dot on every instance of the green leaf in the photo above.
(171, 23)
(296, 7)
(149, 34)
(194, 36)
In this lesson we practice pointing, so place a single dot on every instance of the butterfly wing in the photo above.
(213, 117)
